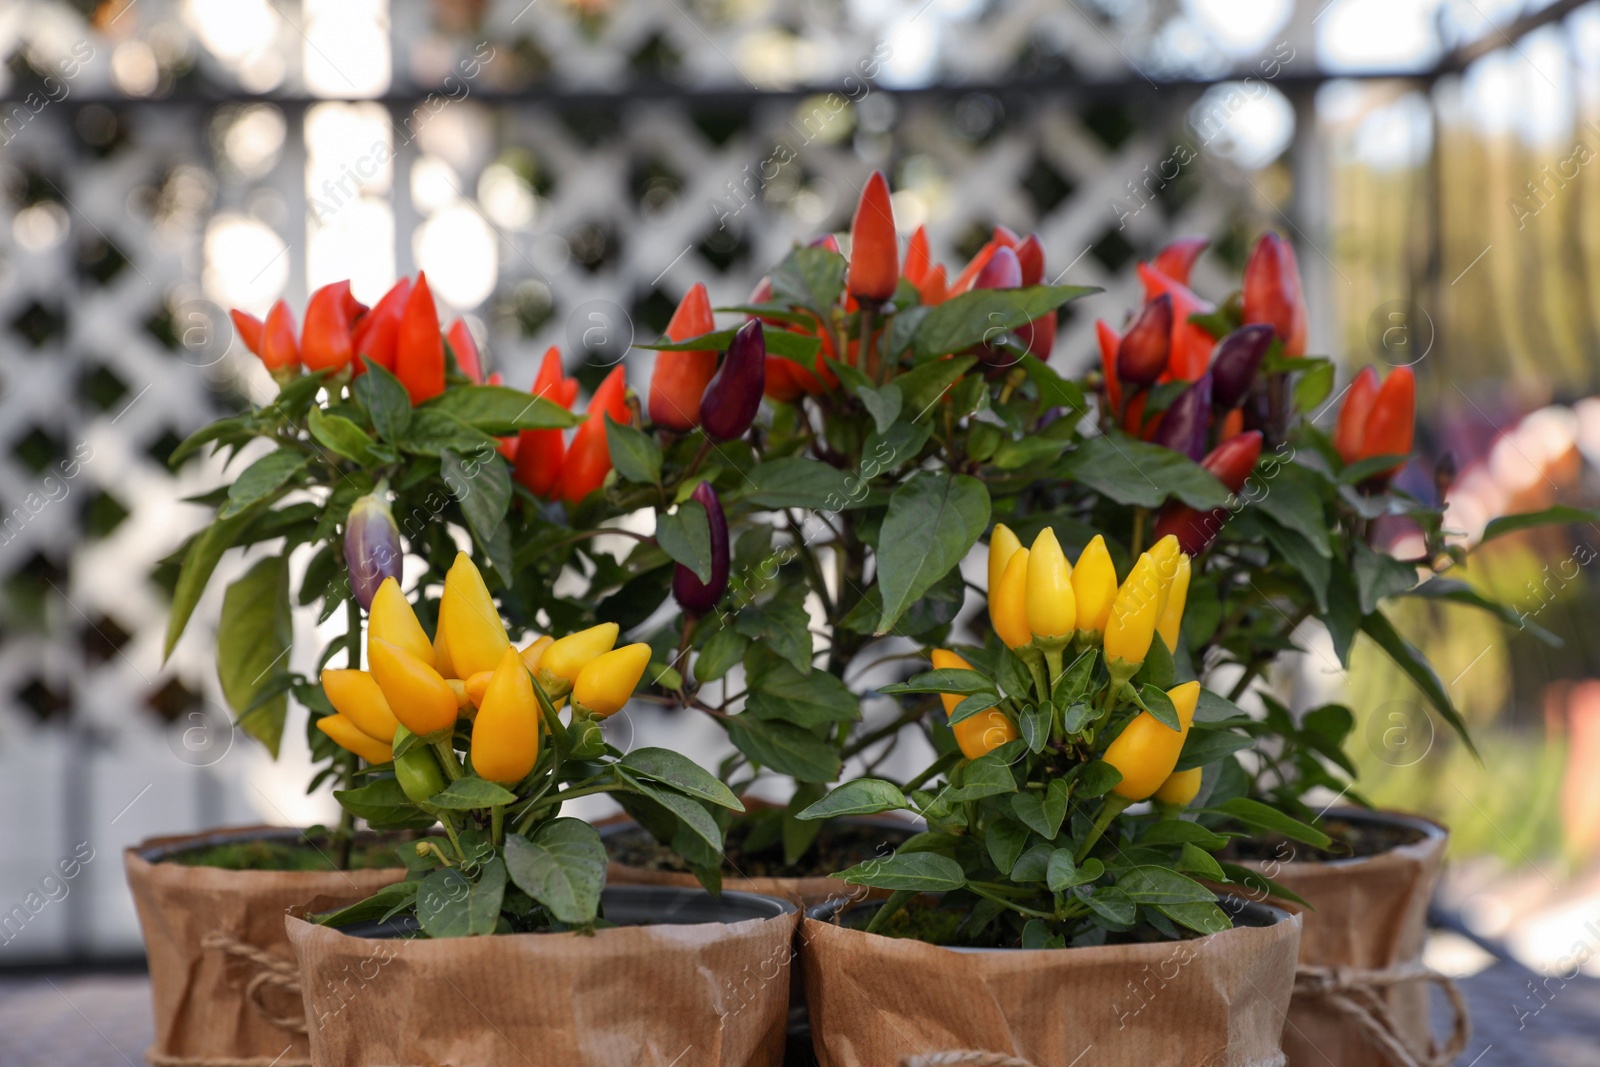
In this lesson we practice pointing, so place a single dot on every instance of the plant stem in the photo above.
(447, 756)
(352, 651)
(1110, 809)
(450, 828)
(868, 356)
(497, 823)
(1137, 543)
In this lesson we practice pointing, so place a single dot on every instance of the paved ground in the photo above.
(104, 1020)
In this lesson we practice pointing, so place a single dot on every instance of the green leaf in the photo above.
(1201, 917)
(1004, 840)
(466, 794)
(1314, 385)
(1096, 780)
(386, 400)
(1419, 670)
(973, 705)
(864, 796)
(1014, 455)
(810, 277)
(1034, 726)
(978, 316)
(198, 564)
(792, 482)
(341, 436)
(1207, 746)
(562, 866)
(1159, 705)
(384, 902)
(923, 386)
(1380, 575)
(784, 747)
(262, 479)
(1158, 885)
(1527, 520)
(883, 404)
(689, 812)
(1182, 832)
(987, 776)
(685, 535)
(1063, 872)
(942, 680)
(1314, 568)
(681, 773)
(482, 488)
(933, 520)
(635, 454)
(431, 431)
(780, 693)
(1054, 390)
(722, 650)
(1138, 474)
(1461, 593)
(1074, 681)
(1113, 906)
(1258, 883)
(1295, 504)
(784, 626)
(1044, 815)
(1259, 816)
(797, 347)
(451, 905)
(382, 803)
(234, 430)
(920, 872)
(253, 641)
(499, 410)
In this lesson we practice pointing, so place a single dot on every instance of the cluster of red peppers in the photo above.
(400, 333)
(549, 466)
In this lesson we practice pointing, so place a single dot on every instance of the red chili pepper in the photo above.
(1109, 342)
(828, 241)
(918, 261)
(964, 280)
(1191, 346)
(540, 452)
(1392, 424)
(1272, 292)
(379, 329)
(589, 456)
(1006, 236)
(280, 353)
(1230, 463)
(1177, 259)
(466, 350)
(353, 308)
(419, 347)
(1232, 424)
(325, 341)
(1030, 254)
(874, 250)
(1352, 426)
(933, 289)
(1145, 349)
(732, 399)
(248, 327)
(680, 378)
(781, 384)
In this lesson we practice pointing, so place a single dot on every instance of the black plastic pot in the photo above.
(634, 905)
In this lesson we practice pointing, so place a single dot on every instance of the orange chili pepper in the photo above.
(874, 251)
(419, 347)
(589, 457)
(680, 378)
(540, 453)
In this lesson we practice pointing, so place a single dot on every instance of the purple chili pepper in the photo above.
(1235, 361)
(1142, 355)
(693, 595)
(733, 396)
(1003, 271)
(1184, 423)
(372, 549)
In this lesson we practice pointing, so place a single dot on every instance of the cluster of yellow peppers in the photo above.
(1040, 603)
(470, 669)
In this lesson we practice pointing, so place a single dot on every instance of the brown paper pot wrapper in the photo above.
(1370, 913)
(221, 970)
(801, 892)
(1217, 1001)
(707, 994)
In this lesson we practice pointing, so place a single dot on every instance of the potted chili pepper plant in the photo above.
(508, 912)
(1063, 861)
(377, 413)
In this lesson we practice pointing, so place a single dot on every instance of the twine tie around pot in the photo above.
(271, 973)
(963, 1058)
(1359, 994)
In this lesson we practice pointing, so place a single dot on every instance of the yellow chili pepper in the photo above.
(505, 735)
(391, 619)
(349, 737)
(441, 655)
(1165, 554)
(533, 650)
(1180, 788)
(1002, 545)
(607, 681)
(976, 735)
(1094, 587)
(1008, 602)
(1147, 750)
(564, 658)
(419, 698)
(1177, 596)
(459, 688)
(1134, 612)
(357, 697)
(1052, 608)
(469, 621)
(478, 685)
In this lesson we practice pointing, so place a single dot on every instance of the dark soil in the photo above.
(840, 845)
(295, 854)
(1352, 839)
(923, 920)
